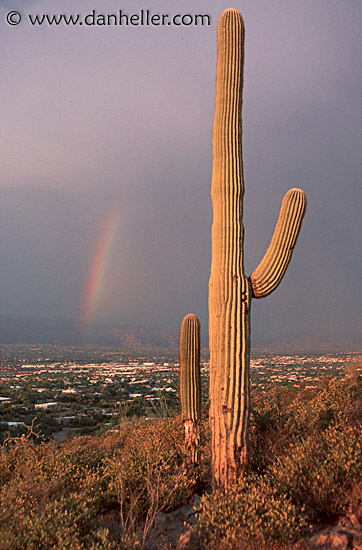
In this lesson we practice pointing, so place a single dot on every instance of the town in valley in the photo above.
(61, 389)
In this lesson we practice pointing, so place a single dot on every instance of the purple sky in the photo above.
(93, 115)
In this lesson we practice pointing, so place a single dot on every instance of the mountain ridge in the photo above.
(30, 330)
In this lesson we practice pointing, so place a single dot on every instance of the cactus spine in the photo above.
(230, 291)
(190, 383)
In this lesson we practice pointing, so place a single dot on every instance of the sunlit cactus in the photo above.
(266, 277)
(230, 290)
(190, 383)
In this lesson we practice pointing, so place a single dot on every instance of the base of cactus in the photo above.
(192, 440)
(229, 466)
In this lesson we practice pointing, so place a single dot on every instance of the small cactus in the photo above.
(190, 383)
(230, 290)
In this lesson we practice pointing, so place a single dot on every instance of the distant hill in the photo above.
(133, 338)
(28, 330)
(310, 343)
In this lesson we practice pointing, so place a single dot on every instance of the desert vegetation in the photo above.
(106, 491)
(190, 383)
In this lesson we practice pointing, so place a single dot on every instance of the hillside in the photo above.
(131, 487)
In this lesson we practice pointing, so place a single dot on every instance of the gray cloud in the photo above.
(19, 4)
(96, 115)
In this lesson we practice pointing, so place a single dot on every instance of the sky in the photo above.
(106, 162)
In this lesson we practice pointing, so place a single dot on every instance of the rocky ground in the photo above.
(172, 531)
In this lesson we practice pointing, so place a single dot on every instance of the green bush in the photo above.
(319, 470)
(147, 471)
(62, 495)
(63, 523)
(252, 509)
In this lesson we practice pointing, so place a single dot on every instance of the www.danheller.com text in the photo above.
(143, 17)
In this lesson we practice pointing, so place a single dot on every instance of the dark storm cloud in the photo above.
(97, 115)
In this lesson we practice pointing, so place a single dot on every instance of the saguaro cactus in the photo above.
(230, 291)
(190, 384)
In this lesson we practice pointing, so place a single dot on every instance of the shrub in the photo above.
(62, 495)
(250, 510)
(318, 470)
(67, 522)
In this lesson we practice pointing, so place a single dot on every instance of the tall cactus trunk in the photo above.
(230, 291)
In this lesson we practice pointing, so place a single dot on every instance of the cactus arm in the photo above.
(190, 383)
(268, 274)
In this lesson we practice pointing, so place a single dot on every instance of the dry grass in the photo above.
(103, 492)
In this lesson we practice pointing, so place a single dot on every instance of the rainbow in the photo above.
(98, 265)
